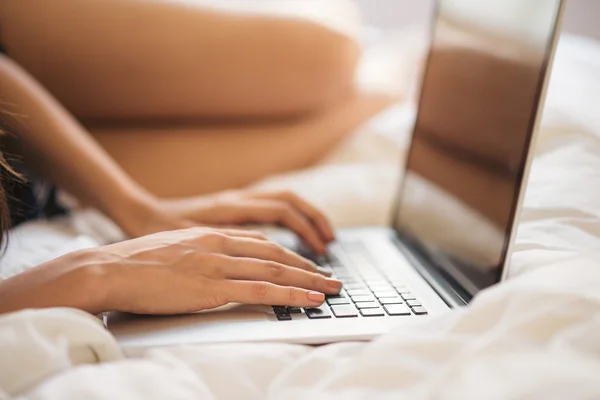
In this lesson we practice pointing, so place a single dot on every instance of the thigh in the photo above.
(124, 59)
(190, 160)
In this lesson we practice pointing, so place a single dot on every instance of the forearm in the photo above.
(69, 281)
(59, 146)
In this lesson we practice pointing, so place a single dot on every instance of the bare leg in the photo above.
(158, 59)
(178, 161)
(152, 60)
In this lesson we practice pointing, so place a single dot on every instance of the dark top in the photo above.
(29, 198)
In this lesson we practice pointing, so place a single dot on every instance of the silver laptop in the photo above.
(456, 211)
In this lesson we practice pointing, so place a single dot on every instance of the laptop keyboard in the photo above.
(367, 291)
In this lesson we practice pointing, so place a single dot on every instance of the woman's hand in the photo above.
(170, 273)
(235, 208)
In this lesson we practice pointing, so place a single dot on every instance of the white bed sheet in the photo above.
(536, 336)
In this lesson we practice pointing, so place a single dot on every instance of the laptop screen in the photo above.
(479, 100)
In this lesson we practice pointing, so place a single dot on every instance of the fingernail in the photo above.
(334, 283)
(323, 272)
(316, 297)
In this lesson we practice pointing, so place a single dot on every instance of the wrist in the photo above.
(131, 209)
(92, 280)
(77, 280)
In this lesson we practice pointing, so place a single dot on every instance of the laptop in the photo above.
(456, 210)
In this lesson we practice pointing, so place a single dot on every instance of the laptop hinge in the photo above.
(443, 284)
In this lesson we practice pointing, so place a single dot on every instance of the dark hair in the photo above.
(4, 211)
(6, 172)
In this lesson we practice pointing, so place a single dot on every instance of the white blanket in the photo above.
(536, 336)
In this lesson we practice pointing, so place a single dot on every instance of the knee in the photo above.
(320, 67)
(336, 59)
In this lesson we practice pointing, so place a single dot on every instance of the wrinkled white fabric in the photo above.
(37, 344)
(537, 336)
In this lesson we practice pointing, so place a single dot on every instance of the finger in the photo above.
(267, 293)
(243, 233)
(279, 212)
(310, 211)
(251, 269)
(268, 251)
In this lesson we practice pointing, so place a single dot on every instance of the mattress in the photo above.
(534, 336)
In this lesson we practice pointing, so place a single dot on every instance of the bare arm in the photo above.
(171, 273)
(68, 281)
(54, 142)
(57, 145)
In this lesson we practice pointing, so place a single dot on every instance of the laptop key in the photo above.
(372, 312)
(294, 310)
(419, 310)
(320, 312)
(397, 309)
(376, 282)
(338, 301)
(284, 317)
(344, 311)
(369, 304)
(358, 292)
(408, 296)
(362, 299)
(280, 310)
(333, 259)
(381, 288)
(413, 303)
(321, 260)
(355, 286)
(385, 293)
(391, 300)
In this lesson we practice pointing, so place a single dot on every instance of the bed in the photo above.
(535, 336)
